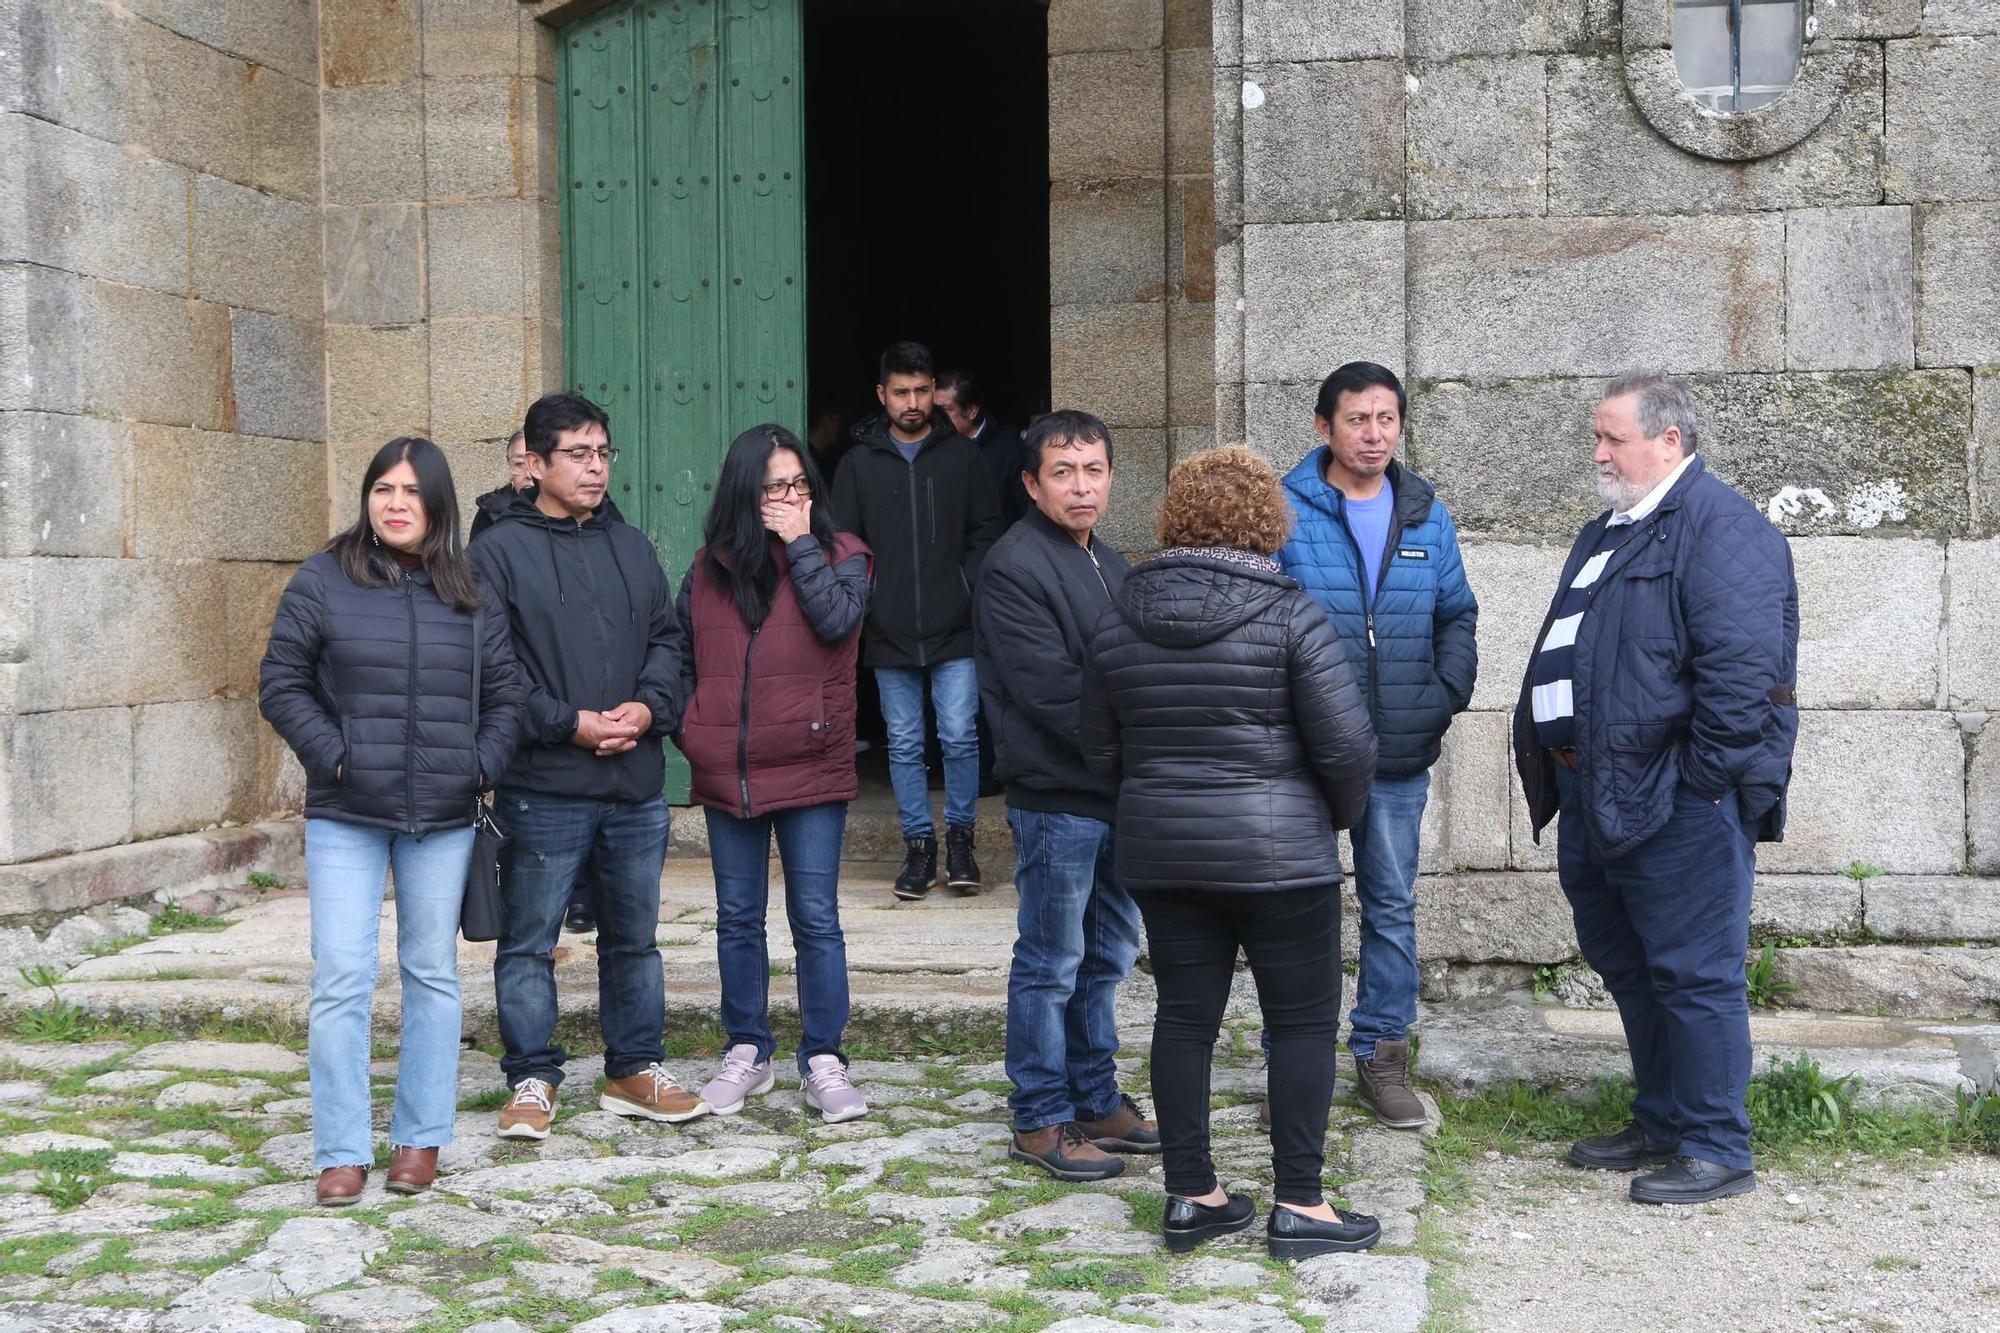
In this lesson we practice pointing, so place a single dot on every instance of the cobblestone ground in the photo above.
(159, 1183)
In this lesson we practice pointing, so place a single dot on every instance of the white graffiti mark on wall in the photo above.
(1869, 506)
(1791, 502)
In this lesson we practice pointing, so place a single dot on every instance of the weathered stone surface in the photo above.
(540, 1175)
(193, 763)
(1957, 17)
(875, 1308)
(1321, 30)
(378, 383)
(305, 1256)
(188, 1166)
(279, 373)
(366, 41)
(1444, 29)
(81, 793)
(372, 270)
(1478, 139)
(1816, 907)
(62, 484)
(1162, 1311)
(476, 379)
(1191, 365)
(1325, 143)
(1936, 89)
(1881, 787)
(1595, 295)
(1104, 115)
(1278, 420)
(233, 1057)
(1090, 25)
(685, 1274)
(1605, 156)
(74, 202)
(1190, 113)
(947, 1261)
(1972, 650)
(373, 1307)
(469, 139)
(1371, 1293)
(1958, 284)
(1986, 449)
(1850, 289)
(1131, 523)
(1870, 610)
(194, 862)
(474, 260)
(1466, 823)
(273, 493)
(1982, 801)
(677, 1317)
(1114, 357)
(1107, 246)
(956, 1141)
(256, 250)
(1514, 584)
(1072, 1212)
(1947, 908)
(372, 144)
(1896, 981)
(1321, 294)
(1491, 918)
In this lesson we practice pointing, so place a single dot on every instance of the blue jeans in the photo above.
(346, 865)
(809, 848)
(954, 690)
(1078, 938)
(1667, 926)
(553, 835)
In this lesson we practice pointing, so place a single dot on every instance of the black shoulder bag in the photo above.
(479, 915)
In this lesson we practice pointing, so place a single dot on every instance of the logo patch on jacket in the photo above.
(1412, 553)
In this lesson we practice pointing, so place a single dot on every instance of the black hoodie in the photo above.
(486, 510)
(593, 619)
(929, 520)
(1220, 696)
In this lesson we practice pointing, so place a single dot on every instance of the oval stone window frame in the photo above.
(1826, 69)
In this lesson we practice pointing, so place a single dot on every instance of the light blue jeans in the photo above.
(346, 866)
(954, 691)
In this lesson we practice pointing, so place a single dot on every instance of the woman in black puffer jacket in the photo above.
(1222, 700)
(368, 677)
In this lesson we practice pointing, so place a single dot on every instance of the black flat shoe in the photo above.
(1627, 1150)
(579, 919)
(1293, 1235)
(1691, 1180)
(1188, 1224)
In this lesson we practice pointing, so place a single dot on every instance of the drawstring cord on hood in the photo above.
(548, 530)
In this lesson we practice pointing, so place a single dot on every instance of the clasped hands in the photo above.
(612, 731)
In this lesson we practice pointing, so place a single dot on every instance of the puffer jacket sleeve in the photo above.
(1455, 621)
(287, 682)
(1735, 600)
(500, 695)
(1331, 714)
(834, 598)
(1102, 750)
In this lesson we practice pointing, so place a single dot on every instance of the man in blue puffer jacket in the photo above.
(1375, 548)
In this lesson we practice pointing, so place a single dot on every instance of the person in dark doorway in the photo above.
(1377, 550)
(772, 609)
(1220, 697)
(594, 627)
(961, 399)
(1041, 591)
(826, 435)
(1657, 718)
(581, 918)
(369, 679)
(918, 494)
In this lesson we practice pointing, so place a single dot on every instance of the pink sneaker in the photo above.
(743, 1076)
(828, 1091)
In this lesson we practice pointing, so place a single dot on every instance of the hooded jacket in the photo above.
(1221, 699)
(929, 521)
(486, 510)
(1412, 647)
(593, 623)
(372, 689)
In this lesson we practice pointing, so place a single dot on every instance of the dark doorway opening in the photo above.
(927, 195)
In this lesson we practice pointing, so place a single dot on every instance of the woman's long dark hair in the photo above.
(368, 564)
(737, 542)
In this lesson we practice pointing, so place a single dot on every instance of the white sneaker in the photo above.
(828, 1091)
(743, 1076)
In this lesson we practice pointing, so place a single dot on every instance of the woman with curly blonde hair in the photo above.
(1223, 702)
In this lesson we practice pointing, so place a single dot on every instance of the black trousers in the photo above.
(1292, 940)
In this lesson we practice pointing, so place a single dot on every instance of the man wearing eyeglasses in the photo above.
(594, 628)
(488, 507)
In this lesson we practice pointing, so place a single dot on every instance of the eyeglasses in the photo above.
(777, 490)
(582, 454)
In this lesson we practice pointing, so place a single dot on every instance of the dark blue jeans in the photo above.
(553, 835)
(1078, 938)
(1667, 925)
(809, 849)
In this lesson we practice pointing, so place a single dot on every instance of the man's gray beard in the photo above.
(1619, 494)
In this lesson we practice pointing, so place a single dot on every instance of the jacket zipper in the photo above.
(916, 562)
(743, 726)
(410, 713)
(1368, 606)
(1091, 551)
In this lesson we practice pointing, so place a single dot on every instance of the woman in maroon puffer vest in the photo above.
(772, 608)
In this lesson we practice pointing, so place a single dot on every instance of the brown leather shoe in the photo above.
(650, 1094)
(1065, 1152)
(412, 1170)
(1124, 1130)
(341, 1185)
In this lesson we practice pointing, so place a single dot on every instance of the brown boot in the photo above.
(341, 1185)
(412, 1170)
(1065, 1152)
(1124, 1130)
(650, 1094)
(1383, 1082)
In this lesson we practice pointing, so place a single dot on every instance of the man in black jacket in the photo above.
(960, 398)
(594, 628)
(1041, 591)
(486, 510)
(919, 494)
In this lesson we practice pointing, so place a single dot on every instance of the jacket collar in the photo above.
(1042, 525)
(1307, 481)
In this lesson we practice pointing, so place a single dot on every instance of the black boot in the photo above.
(919, 873)
(961, 871)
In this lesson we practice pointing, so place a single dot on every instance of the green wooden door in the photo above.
(683, 245)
